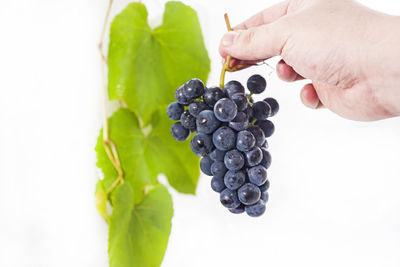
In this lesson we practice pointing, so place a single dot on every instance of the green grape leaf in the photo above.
(145, 155)
(139, 233)
(147, 65)
(101, 200)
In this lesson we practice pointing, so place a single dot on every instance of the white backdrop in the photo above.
(334, 197)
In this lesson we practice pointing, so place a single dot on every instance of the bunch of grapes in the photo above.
(231, 131)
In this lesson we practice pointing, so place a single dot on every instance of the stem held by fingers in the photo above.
(228, 59)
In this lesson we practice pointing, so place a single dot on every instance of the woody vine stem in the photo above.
(109, 145)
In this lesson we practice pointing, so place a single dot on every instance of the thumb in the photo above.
(256, 43)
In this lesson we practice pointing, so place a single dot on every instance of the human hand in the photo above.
(351, 54)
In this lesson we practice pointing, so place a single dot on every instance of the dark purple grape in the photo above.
(234, 160)
(253, 156)
(175, 110)
(225, 109)
(188, 121)
(240, 101)
(234, 179)
(237, 210)
(212, 95)
(206, 122)
(240, 122)
(264, 196)
(256, 84)
(205, 165)
(249, 194)
(265, 186)
(229, 199)
(256, 209)
(233, 87)
(181, 98)
(266, 160)
(257, 175)
(193, 88)
(179, 132)
(245, 140)
(217, 155)
(218, 169)
(273, 104)
(258, 134)
(196, 107)
(267, 126)
(217, 184)
(261, 110)
(201, 144)
(224, 138)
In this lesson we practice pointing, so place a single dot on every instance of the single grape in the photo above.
(256, 84)
(267, 126)
(257, 175)
(229, 199)
(205, 165)
(234, 160)
(218, 169)
(193, 88)
(266, 160)
(212, 95)
(237, 210)
(249, 194)
(196, 107)
(253, 156)
(240, 122)
(245, 141)
(179, 132)
(174, 111)
(264, 196)
(273, 104)
(256, 209)
(233, 87)
(240, 101)
(217, 155)
(265, 186)
(181, 98)
(224, 138)
(234, 179)
(258, 134)
(188, 121)
(225, 109)
(217, 184)
(261, 110)
(207, 122)
(201, 144)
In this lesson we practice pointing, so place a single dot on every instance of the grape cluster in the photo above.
(231, 131)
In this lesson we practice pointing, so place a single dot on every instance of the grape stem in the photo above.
(226, 66)
(109, 145)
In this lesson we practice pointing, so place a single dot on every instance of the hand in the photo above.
(351, 54)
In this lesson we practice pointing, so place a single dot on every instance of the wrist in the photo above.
(383, 77)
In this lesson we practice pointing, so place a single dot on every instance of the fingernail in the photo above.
(229, 38)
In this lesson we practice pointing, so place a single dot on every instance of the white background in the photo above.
(334, 197)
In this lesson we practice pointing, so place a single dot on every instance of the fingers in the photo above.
(256, 43)
(309, 97)
(286, 72)
(264, 17)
